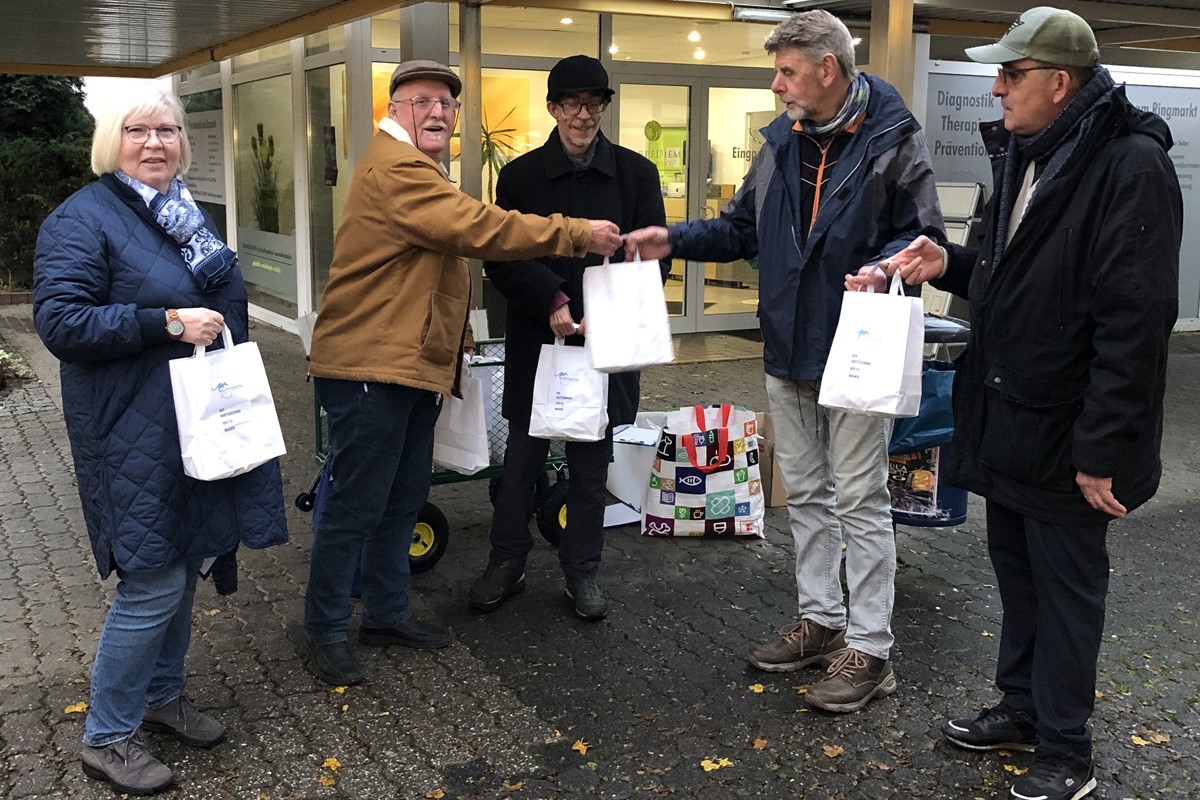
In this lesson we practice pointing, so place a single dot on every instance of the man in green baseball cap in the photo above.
(1058, 400)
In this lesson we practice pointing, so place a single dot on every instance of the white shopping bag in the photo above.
(460, 439)
(626, 316)
(874, 365)
(225, 412)
(570, 399)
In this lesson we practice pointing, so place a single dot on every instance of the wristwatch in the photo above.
(174, 324)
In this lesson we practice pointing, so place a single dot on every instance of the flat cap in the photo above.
(424, 70)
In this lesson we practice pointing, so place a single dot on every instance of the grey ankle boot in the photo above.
(127, 766)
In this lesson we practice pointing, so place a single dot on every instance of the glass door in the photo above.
(702, 137)
(654, 121)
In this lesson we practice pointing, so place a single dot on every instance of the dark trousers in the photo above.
(381, 443)
(524, 460)
(1053, 582)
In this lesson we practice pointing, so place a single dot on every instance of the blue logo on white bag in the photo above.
(226, 390)
(565, 377)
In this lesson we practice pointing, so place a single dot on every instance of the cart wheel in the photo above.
(305, 501)
(430, 537)
(552, 513)
(539, 493)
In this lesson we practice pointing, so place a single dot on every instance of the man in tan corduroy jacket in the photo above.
(388, 346)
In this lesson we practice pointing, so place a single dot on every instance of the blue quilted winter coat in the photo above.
(104, 275)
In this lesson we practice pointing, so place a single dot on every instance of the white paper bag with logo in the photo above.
(460, 438)
(626, 316)
(874, 365)
(225, 412)
(570, 399)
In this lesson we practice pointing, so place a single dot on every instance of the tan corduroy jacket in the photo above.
(395, 307)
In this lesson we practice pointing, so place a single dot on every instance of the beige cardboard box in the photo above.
(773, 492)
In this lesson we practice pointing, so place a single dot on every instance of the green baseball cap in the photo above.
(1049, 35)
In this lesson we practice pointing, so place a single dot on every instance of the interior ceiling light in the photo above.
(694, 36)
(699, 54)
(856, 41)
(747, 14)
(612, 49)
(566, 21)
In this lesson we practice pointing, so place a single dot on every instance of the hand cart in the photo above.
(431, 534)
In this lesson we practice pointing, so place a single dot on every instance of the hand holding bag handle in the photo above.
(689, 443)
(226, 339)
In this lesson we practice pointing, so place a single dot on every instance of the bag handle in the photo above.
(689, 443)
(226, 337)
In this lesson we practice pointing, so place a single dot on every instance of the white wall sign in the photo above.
(206, 135)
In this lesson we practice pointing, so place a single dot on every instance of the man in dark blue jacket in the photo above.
(843, 179)
(1058, 398)
(577, 172)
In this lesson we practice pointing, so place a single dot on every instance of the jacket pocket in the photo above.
(441, 336)
(1028, 428)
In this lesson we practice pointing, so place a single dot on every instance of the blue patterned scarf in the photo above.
(856, 103)
(208, 258)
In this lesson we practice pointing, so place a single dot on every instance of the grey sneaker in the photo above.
(853, 680)
(589, 600)
(802, 643)
(127, 766)
(185, 722)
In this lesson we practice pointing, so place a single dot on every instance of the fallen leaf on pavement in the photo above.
(580, 747)
(512, 787)
(986, 633)
(1015, 770)
(709, 764)
(1158, 738)
(212, 612)
(833, 750)
(76, 708)
(1139, 741)
(435, 794)
(326, 781)
(760, 743)
(757, 688)
(338, 690)
(331, 764)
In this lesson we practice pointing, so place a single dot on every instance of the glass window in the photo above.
(197, 72)
(381, 76)
(385, 30)
(329, 167)
(326, 41)
(684, 41)
(204, 126)
(533, 32)
(515, 121)
(266, 209)
(279, 53)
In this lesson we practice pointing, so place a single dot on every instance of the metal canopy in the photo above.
(146, 39)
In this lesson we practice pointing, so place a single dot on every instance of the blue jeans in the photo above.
(139, 661)
(835, 467)
(381, 443)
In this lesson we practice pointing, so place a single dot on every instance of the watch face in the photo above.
(175, 327)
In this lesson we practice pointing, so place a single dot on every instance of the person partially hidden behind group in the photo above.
(129, 273)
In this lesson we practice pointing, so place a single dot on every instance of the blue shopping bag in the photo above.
(934, 423)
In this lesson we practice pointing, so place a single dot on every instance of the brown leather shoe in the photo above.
(853, 680)
(803, 643)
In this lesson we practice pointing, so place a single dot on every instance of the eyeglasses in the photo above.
(427, 103)
(140, 134)
(1009, 75)
(573, 106)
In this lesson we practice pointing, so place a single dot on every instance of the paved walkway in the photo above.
(655, 692)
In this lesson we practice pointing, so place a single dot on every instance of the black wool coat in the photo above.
(1066, 367)
(619, 185)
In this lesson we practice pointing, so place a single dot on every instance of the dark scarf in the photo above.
(1051, 148)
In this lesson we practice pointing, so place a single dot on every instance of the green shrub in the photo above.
(36, 176)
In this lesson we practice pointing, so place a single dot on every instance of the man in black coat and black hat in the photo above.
(578, 172)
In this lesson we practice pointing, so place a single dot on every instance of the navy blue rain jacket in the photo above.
(880, 196)
(104, 275)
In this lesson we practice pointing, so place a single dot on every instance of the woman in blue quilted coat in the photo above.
(129, 273)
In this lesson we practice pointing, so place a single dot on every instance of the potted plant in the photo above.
(266, 187)
(498, 150)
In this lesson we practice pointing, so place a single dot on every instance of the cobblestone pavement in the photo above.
(654, 692)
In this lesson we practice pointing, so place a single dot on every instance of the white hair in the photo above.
(110, 125)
